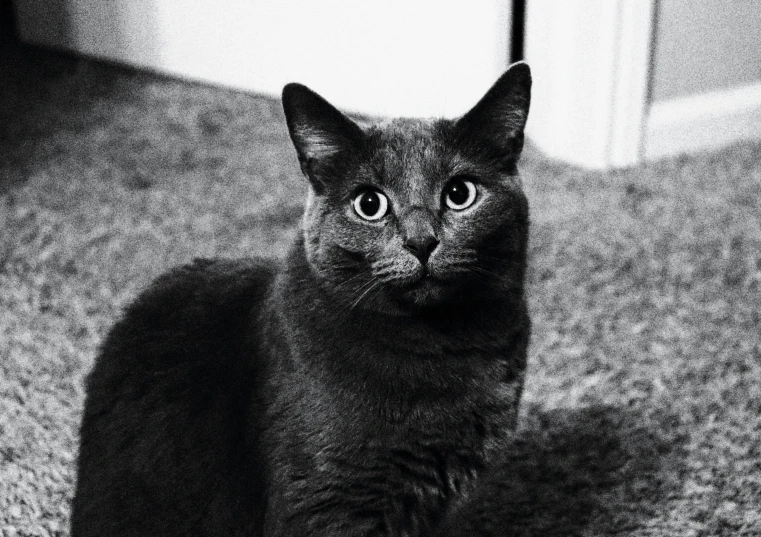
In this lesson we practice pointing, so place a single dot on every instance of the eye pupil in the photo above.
(458, 192)
(370, 203)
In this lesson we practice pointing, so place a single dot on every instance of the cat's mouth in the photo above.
(419, 287)
(423, 283)
(423, 290)
(417, 279)
(423, 275)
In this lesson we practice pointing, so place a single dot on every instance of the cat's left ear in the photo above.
(500, 116)
(319, 130)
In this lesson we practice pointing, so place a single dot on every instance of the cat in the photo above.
(365, 386)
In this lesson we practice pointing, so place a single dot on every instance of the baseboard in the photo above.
(703, 122)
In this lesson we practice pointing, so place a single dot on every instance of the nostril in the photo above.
(421, 247)
(432, 244)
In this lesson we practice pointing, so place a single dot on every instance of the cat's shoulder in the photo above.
(207, 281)
(191, 312)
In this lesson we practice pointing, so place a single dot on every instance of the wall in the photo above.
(383, 57)
(706, 78)
(705, 45)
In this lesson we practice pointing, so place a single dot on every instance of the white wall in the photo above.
(706, 45)
(383, 57)
(706, 78)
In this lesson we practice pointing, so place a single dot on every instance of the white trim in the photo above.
(590, 60)
(705, 121)
(631, 81)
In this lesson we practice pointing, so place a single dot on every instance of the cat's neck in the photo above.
(429, 353)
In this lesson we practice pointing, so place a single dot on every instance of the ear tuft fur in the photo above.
(318, 130)
(499, 118)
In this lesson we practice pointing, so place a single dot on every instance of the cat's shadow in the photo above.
(600, 470)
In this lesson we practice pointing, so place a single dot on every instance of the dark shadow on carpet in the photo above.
(600, 470)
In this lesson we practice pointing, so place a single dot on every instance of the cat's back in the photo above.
(169, 400)
(193, 320)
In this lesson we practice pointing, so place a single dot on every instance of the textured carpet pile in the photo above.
(642, 415)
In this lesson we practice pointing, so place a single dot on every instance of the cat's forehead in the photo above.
(411, 144)
(405, 131)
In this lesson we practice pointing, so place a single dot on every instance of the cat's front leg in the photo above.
(367, 497)
(327, 516)
(485, 513)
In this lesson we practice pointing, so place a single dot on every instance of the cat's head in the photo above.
(414, 214)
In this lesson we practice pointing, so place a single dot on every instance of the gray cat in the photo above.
(365, 387)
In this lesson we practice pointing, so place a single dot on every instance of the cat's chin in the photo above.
(417, 298)
(424, 292)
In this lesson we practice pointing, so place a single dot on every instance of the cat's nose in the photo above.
(421, 246)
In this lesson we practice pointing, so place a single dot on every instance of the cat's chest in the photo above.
(387, 433)
(388, 486)
(393, 478)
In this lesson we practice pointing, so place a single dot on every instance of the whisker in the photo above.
(489, 257)
(378, 290)
(386, 272)
(374, 283)
(462, 265)
(382, 265)
(482, 270)
(346, 282)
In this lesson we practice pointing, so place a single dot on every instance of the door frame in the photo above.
(591, 61)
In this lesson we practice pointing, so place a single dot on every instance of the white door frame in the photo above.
(591, 64)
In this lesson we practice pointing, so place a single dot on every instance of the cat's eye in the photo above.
(371, 204)
(460, 194)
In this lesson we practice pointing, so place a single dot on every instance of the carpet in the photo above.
(642, 413)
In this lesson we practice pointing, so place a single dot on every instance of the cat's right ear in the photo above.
(318, 129)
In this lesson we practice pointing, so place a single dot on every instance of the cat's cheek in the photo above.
(463, 232)
(363, 242)
(496, 218)
(507, 227)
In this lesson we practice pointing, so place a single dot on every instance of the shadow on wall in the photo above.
(124, 31)
(47, 98)
(8, 32)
